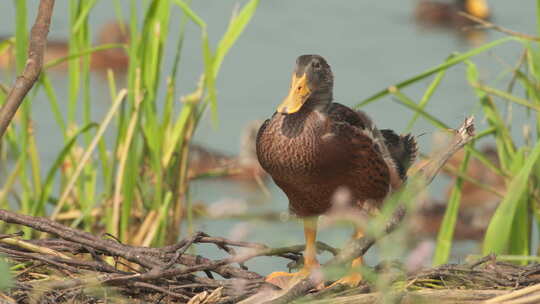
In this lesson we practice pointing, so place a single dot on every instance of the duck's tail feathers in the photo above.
(402, 149)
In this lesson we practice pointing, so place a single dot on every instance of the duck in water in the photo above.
(439, 14)
(114, 58)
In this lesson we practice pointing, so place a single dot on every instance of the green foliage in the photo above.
(510, 229)
(449, 63)
(446, 232)
(5, 278)
(144, 192)
(144, 172)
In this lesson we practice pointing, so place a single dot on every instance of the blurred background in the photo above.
(370, 46)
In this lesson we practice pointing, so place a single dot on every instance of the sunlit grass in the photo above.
(510, 229)
(137, 189)
(143, 174)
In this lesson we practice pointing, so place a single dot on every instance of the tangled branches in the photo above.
(141, 272)
(150, 274)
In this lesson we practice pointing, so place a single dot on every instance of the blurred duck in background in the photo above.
(477, 203)
(242, 167)
(114, 58)
(431, 13)
(474, 196)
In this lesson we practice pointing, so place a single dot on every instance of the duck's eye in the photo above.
(316, 65)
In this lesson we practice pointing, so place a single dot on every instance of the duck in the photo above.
(313, 148)
(474, 196)
(426, 222)
(243, 167)
(115, 58)
(439, 14)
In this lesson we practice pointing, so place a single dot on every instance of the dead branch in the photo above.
(462, 136)
(169, 271)
(173, 276)
(447, 296)
(36, 50)
(472, 282)
(488, 25)
(484, 278)
(81, 257)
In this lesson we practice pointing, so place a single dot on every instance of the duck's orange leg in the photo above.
(310, 253)
(354, 277)
(283, 279)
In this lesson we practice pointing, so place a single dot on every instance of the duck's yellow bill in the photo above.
(298, 95)
(477, 8)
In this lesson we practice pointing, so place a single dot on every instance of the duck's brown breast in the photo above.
(289, 147)
(310, 156)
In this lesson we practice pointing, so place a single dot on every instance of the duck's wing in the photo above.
(359, 122)
(397, 151)
(357, 139)
(340, 113)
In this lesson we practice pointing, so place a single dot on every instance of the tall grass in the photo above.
(510, 230)
(136, 188)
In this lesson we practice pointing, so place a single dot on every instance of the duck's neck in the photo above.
(294, 124)
(319, 101)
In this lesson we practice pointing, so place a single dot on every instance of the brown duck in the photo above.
(477, 204)
(312, 146)
(115, 58)
(242, 167)
(437, 13)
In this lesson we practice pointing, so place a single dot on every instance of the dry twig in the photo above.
(81, 257)
(488, 25)
(36, 50)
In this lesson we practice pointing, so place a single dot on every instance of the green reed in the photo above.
(137, 188)
(510, 229)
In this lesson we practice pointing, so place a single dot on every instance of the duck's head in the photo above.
(477, 8)
(312, 83)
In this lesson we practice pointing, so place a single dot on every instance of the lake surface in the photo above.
(369, 44)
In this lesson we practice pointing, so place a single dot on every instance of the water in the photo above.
(369, 44)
